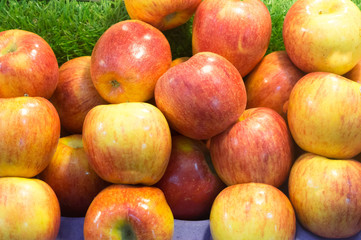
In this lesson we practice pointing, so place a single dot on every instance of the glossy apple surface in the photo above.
(127, 61)
(29, 132)
(128, 143)
(162, 14)
(28, 65)
(190, 183)
(202, 96)
(258, 148)
(326, 195)
(128, 212)
(240, 31)
(324, 115)
(323, 35)
(252, 211)
(75, 94)
(179, 61)
(270, 83)
(29, 209)
(70, 176)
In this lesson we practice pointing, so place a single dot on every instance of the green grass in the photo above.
(72, 27)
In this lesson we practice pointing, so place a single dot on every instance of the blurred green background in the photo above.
(72, 27)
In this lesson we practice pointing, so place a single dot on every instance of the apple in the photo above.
(252, 211)
(240, 31)
(28, 65)
(128, 143)
(29, 209)
(190, 183)
(270, 83)
(326, 195)
(323, 35)
(162, 14)
(202, 96)
(127, 61)
(324, 115)
(355, 73)
(75, 94)
(68, 166)
(179, 61)
(29, 132)
(129, 212)
(258, 148)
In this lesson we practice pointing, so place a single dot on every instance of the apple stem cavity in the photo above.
(114, 83)
(126, 231)
(169, 17)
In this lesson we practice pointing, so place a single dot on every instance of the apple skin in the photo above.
(244, 45)
(355, 73)
(28, 65)
(29, 132)
(270, 83)
(75, 94)
(162, 14)
(129, 212)
(326, 195)
(179, 61)
(323, 35)
(190, 183)
(202, 96)
(127, 143)
(68, 166)
(127, 61)
(252, 211)
(258, 148)
(29, 209)
(324, 115)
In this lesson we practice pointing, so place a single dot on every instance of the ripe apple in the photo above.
(127, 61)
(252, 211)
(29, 133)
(258, 148)
(29, 209)
(326, 195)
(128, 143)
(323, 35)
(75, 94)
(324, 115)
(28, 65)
(68, 166)
(355, 73)
(162, 14)
(179, 61)
(190, 183)
(270, 83)
(202, 96)
(238, 30)
(129, 212)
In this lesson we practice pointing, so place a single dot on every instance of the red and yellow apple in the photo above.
(129, 212)
(202, 96)
(324, 115)
(70, 176)
(29, 209)
(179, 61)
(162, 14)
(128, 143)
(28, 65)
(323, 35)
(326, 195)
(29, 132)
(127, 61)
(270, 83)
(75, 94)
(190, 183)
(240, 31)
(252, 211)
(258, 148)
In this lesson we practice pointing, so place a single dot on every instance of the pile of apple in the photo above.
(131, 140)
